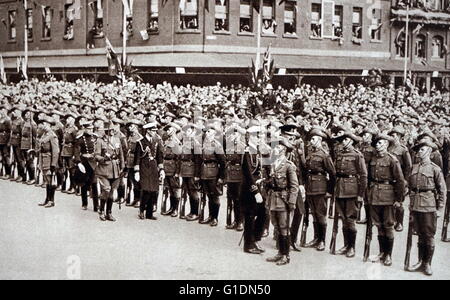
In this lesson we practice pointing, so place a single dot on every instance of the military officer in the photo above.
(84, 159)
(27, 145)
(149, 169)
(110, 169)
(134, 137)
(320, 181)
(350, 187)
(67, 152)
(386, 187)
(427, 194)
(283, 187)
(172, 151)
(211, 171)
(48, 160)
(404, 157)
(5, 132)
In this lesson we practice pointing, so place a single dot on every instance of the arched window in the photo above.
(420, 48)
(437, 47)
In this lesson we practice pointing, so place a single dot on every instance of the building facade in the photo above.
(317, 41)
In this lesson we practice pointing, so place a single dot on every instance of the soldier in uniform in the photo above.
(67, 152)
(133, 139)
(211, 172)
(282, 185)
(84, 159)
(404, 157)
(27, 145)
(319, 166)
(16, 131)
(149, 169)
(386, 187)
(368, 151)
(110, 169)
(5, 132)
(172, 150)
(350, 188)
(233, 173)
(427, 194)
(48, 160)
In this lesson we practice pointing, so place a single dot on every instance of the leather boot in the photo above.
(344, 249)
(418, 267)
(46, 197)
(389, 244)
(279, 255)
(322, 235)
(168, 212)
(51, 199)
(315, 241)
(428, 257)
(399, 215)
(101, 215)
(351, 244)
(174, 213)
(381, 255)
(284, 241)
(109, 205)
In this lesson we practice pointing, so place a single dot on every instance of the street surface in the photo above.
(65, 242)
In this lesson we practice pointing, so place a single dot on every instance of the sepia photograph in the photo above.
(223, 145)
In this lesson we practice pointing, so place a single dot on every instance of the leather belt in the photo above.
(384, 181)
(340, 175)
(316, 173)
(416, 190)
(278, 189)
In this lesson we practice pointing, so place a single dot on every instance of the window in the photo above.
(12, 30)
(400, 44)
(316, 22)
(357, 25)
(221, 14)
(69, 15)
(29, 23)
(337, 21)
(375, 27)
(97, 8)
(438, 47)
(188, 14)
(129, 18)
(246, 16)
(269, 25)
(46, 22)
(153, 25)
(420, 47)
(290, 17)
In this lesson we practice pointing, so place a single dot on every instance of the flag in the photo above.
(47, 70)
(18, 64)
(23, 67)
(267, 65)
(43, 11)
(128, 7)
(256, 5)
(114, 66)
(397, 39)
(144, 35)
(2, 70)
(418, 28)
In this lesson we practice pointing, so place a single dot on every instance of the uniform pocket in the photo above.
(169, 167)
(350, 186)
(187, 169)
(317, 184)
(387, 193)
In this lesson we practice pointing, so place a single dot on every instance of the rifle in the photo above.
(445, 222)
(335, 231)
(305, 225)
(183, 203)
(229, 210)
(409, 241)
(202, 205)
(369, 227)
(128, 190)
(164, 198)
(330, 209)
(2, 172)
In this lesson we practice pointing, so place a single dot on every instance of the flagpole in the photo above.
(25, 5)
(258, 39)
(405, 74)
(124, 44)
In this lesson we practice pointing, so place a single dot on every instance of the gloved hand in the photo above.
(259, 199)
(397, 204)
(302, 191)
(220, 181)
(82, 168)
(137, 177)
(162, 175)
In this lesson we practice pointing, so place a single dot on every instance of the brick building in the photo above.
(316, 41)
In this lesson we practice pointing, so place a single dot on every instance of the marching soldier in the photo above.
(404, 157)
(282, 186)
(211, 172)
(350, 188)
(67, 153)
(84, 159)
(233, 174)
(319, 166)
(5, 132)
(48, 160)
(172, 150)
(134, 137)
(110, 169)
(27, 145)
(386, 187)
(427, 194)
(149, 169)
